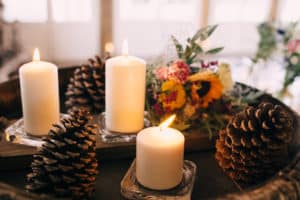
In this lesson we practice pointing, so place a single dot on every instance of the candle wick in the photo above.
(125, 48)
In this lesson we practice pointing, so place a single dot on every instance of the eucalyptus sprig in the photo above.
(291, 73)
(193, 49)
(267, 42)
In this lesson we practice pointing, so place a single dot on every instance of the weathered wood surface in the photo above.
(285, 185)
(8, 192)
(15, 156)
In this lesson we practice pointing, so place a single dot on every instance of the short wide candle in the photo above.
(159, 158)
(40, 97)
(125, 86)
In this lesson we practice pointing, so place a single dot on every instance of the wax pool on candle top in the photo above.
(40, 96)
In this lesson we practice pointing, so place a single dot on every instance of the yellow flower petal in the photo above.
(214, 91)
(201, 75)
(168, 88)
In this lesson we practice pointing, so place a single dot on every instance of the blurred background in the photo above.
(68, 32)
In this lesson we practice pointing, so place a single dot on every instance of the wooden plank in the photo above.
(19, 156)
(285, 185)
(204, 13)
(16, 156)
(8, 192)
(106, 24)
(273, 11)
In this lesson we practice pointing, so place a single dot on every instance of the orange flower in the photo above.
(172, 96)
(206, 87)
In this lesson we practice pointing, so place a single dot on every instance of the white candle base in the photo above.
(159, 157)
(112, 137)
(125, 89)
(40, 96)
(16, 133)
(130, 188)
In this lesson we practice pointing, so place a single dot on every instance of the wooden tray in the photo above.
(13, 156)
(10, 106)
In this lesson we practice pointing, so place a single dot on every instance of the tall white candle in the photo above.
(40, 96)
(159, 157)
(125, 83)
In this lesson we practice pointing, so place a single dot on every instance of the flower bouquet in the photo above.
(197, 91)
(284, 40)
(292, 59)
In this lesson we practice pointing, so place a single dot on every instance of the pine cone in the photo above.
(66, 164)
(3, 123)
(87, 87)
(254, 144)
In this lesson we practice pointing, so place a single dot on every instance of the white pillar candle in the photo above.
(40, 96)
(159, 157)
(125, 85)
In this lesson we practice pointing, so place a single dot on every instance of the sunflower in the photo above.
(205, 88)
(172, 96)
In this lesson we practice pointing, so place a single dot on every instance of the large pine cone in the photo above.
(254, 144)
(86, 89)
(66, 164)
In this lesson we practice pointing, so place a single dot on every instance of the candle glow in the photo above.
(165, 124)
(109, 47)
(39, 94)
(36, 55)
(125, 76)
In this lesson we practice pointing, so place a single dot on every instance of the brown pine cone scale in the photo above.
(254, 144)
(86, 88)
(66, 164)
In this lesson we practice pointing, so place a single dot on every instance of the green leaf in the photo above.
(252, 97)
(267, 41)
(215, 50)
(197, 48)
(204, 33)
(191, 51)
(192, 57)
(178, 46)
(188, 51)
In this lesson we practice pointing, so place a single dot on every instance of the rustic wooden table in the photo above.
(114, 161)
(210, 180)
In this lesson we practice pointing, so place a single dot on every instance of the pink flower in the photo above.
(209, 64)
(162, 73)
(203, 65)
(293, 45)
(179, 71)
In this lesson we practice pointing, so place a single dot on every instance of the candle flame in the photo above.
(36, 55)
(165, 124)
(109, 47)
(125, 48)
